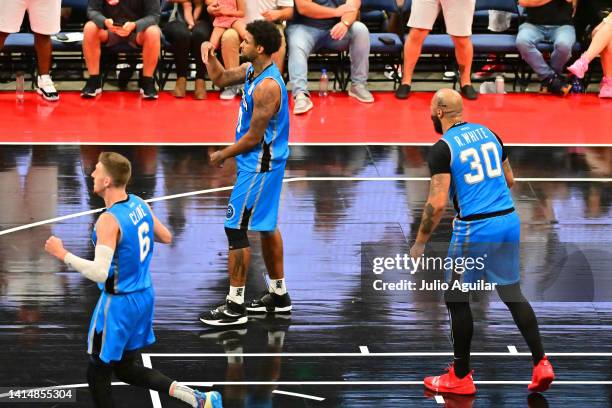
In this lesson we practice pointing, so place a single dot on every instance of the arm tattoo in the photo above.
(239, 269)
(427, 222)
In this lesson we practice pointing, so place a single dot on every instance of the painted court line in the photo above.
(288, 180)
(295, 394)
(439, 399)
(364, 349)
(398, 354)
(512, 349)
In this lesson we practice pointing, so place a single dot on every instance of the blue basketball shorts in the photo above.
(254, 201)
(487, 249)
(121, 323)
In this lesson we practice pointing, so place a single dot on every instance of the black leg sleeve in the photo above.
(462, 329)
(524, 317)
(99, 375)
(130, 372)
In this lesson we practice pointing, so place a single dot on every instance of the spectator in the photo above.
(230, 49)
(324, 23)
(458, 17)
(548, 20)
(189, 26)
(127, 21)
(230, 15)
(276, 11)
(601, 44)
(44, 18)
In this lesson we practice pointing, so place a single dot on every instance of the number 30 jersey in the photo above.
(474, 160)
(129, 271)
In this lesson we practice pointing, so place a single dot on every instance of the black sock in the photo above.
(462, 328)
(524, 317)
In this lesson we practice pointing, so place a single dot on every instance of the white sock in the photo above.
(183, 393)
(236, 294)
(278, 286)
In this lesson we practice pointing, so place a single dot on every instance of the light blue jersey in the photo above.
(273, 151)
(129, 271)
(478, 184)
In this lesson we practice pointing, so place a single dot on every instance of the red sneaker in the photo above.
(543, 375)
(449, 383)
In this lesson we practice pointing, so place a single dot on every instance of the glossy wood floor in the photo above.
(336, 202)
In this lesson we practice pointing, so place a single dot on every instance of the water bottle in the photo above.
(500, 86)
(323, 83)
(19, 87)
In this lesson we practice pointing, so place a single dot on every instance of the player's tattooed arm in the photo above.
(434, 208)
(220, 76)
(508, 173)
(266, 101)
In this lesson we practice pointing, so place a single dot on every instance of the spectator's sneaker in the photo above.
(228, 314)
(361, 93)
(579, 67)
(605, 88)
(555, 84)
(210, 399)
(301, 104)
(543, 375)
(230, 92)
(402, 91)
(92, 88)
(46, 89)
(450, 383)
(147, 88)
(469, 92)
(270, 302)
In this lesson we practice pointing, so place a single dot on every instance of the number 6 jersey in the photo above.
(129, 271)
(473, 155)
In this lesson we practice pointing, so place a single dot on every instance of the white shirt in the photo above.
(254, 8)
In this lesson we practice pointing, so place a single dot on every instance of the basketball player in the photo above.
(261, 150)
(122, 322)
(470, 164)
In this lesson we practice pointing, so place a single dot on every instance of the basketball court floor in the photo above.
(355, 186)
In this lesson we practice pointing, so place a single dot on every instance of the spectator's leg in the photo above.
(150, 40)
(200, 33)
(606, 61)
(279, 56)
(301, 41)
(602, 37)
(93, 38)
(42, 45)
(359, 50)
(230, 48)
(216, 35)
(177, 34)
(563, 39)
(528, 37)
(464, 52)
(412, 52)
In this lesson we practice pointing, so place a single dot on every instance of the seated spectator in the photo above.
(122, 21)
(551, 21)
(458, 17)
(601, 44)
(276, 11)
(189, 26)
(44, 18)
(323, 23)
(230, 15)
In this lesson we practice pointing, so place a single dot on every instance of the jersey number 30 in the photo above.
(494, 168)
(144, 240)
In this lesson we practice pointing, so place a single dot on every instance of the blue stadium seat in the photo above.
(19, 42)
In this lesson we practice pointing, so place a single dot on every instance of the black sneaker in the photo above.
(469, 92)
(228, 314)
(402, 91)
(92, 87)
(270, 302)
(556, 85)
(147, 88)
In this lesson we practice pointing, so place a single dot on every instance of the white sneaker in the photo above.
(230, 92)
(46, 88)
(301, 104)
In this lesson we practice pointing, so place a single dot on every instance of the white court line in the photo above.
(288, 180)
(146, 361)
(416, 144)
(439, 399)
(398, 354)
(295, 394)
(512, 349)
(364, 349)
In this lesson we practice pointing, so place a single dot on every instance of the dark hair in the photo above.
(265, 34)
(117, 166)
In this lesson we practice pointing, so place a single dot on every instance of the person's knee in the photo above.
(97, 369)
(152, 34)
(230, 38)
(90, 30)
(461, 41)
(237, 238)
(564, 47)
(418, 34)
(525, 41)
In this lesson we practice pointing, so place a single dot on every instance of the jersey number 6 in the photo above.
(144, 240)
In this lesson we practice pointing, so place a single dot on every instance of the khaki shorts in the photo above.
(458, 15)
